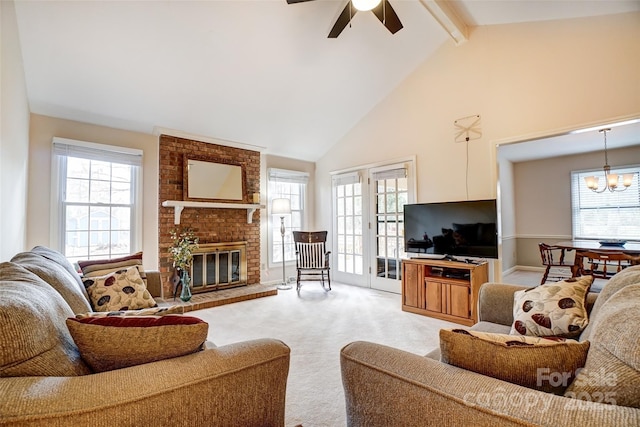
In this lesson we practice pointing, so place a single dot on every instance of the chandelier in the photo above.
(612, 181)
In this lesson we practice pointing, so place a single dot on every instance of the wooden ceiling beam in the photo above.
(448, 18)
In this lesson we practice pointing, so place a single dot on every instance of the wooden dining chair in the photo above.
(556, 267)
(603, 265)
(312, 257)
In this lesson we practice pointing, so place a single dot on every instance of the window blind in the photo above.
(389, 174)
(283, 175)
(606, 215)
(346, 178)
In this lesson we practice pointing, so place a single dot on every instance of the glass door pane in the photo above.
(348, 225)
(390, 192)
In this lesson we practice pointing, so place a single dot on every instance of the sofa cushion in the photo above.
(35, 340)
(628, 276)
(495, 328)
(58, 277)
(539, 363)
(108, 343)
(120, 290)
(102, 267)
(612, 370)
(62, 261)
(552, 309)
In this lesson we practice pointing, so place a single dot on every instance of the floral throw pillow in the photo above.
(552, 309)
(121, 290)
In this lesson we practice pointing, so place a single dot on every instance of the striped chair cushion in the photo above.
(311, 255)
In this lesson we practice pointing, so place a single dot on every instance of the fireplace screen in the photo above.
(218, 266)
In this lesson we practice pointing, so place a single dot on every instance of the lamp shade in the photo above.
(280, 206)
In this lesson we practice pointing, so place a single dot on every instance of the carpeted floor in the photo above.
(316, 325)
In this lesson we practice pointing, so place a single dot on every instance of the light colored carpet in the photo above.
(316, 325)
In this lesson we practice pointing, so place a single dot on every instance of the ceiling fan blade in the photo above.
(296, 1)
(342, 20)
(388, 16)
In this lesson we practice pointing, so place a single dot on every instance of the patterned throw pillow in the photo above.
(545, 364)
(552, 309)
(122, 290)
(115, 342)
(102, 267)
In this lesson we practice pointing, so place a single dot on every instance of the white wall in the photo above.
(43, 129)
(507, 214)
(522, 79)
(14, 138)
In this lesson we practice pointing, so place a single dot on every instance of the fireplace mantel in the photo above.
(179, 205)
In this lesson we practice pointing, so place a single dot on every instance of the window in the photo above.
(607, 215)
(287, 185)
(95, 190)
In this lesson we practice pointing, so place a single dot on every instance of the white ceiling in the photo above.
(566, 144)
(258, 72)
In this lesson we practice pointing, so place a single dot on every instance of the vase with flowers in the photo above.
(184, 242)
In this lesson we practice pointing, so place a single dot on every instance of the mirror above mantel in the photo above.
(206, 180)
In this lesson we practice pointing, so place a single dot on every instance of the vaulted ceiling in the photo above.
(259, 72)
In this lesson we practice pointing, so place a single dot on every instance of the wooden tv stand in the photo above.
(446, 290)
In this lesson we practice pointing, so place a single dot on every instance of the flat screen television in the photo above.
(452, 230)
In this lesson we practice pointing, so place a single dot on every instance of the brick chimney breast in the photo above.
(210, 225)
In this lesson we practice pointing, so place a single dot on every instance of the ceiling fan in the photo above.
(381, 8)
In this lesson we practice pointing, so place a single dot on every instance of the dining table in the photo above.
(631, 248)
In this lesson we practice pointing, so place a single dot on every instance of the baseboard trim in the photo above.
(523, 268)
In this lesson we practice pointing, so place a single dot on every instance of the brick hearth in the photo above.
(221, 297)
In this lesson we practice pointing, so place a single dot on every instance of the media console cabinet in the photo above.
(443, 289)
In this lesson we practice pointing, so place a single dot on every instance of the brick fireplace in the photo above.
(215, 228)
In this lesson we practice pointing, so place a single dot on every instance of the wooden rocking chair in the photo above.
(312, 258)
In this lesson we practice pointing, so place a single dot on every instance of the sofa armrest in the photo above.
(238, 384)
(495, 303)
(154, 283)
(386, 386)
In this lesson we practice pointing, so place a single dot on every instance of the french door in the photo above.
(368, 231)
(348, 229)
(389, 193)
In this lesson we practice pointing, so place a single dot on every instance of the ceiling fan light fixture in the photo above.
(365, 5)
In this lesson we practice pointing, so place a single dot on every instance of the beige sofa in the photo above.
(386, 386)
(45, 382)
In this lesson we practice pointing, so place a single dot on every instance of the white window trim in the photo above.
(578, 182)
(55, 209)
(289, 176)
